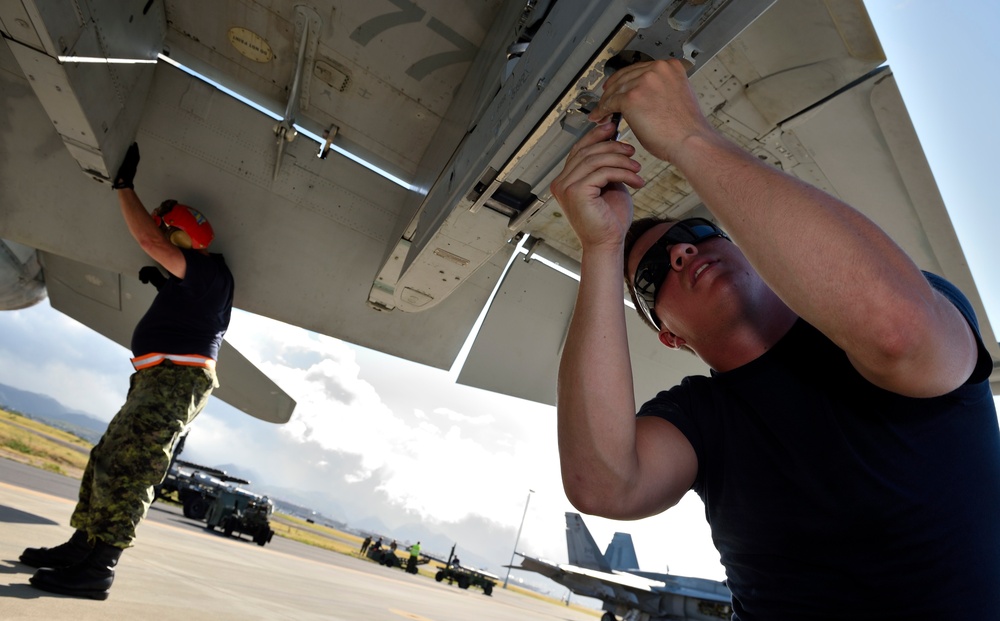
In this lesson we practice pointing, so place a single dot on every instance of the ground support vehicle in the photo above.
(239, 511)
(196, 486)
(453, 572)
(466, 578)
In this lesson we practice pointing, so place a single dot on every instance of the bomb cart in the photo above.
(465, 577)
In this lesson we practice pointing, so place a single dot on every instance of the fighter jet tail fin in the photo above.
(620, 554)
(583, 551)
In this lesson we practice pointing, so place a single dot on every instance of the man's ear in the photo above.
(671, 340)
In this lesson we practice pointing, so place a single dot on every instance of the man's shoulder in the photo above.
(955, 296)
(206, 263)
(691, 391)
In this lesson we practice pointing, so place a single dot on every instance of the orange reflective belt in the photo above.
(188, 360)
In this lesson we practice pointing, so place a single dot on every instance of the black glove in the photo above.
(126, 172)
(152, 274)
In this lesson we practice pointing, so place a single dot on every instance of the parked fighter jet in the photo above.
(615, 579)
(384, 159)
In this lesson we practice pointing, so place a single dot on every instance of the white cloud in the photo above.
(46, 352)
(458, 417)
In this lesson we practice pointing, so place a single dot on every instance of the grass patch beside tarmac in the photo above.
(286, 526)
(297, 529)
(32, 442)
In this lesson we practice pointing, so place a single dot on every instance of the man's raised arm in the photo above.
(828, 262)
(608, 469)
(140, 223)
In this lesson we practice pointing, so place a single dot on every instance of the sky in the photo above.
(466, 459)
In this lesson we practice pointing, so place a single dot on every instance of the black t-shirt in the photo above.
(188, 316)
(830, 498)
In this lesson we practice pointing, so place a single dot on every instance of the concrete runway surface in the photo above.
(180, 571)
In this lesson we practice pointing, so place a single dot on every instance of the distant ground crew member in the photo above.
(411, 564)
(175, 344)
(393, 546)
(364, 544)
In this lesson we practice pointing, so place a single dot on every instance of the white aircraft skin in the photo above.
(461, 112)
(626, 592)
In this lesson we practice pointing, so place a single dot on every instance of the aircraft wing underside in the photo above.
(461, 114)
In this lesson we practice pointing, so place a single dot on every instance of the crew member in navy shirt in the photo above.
(175, 344)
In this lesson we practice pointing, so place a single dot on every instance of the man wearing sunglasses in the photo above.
(846, 444)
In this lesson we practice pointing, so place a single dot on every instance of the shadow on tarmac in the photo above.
(11, 515)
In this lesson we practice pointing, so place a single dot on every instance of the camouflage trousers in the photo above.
(134, 453)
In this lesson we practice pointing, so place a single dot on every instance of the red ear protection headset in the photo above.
(188, 227)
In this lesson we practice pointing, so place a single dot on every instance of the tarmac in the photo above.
(178, 570)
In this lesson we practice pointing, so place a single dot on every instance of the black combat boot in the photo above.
(90, 578)
(64, 555)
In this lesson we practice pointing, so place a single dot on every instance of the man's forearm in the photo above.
(596, 406)
(149, 237)
(140, 224)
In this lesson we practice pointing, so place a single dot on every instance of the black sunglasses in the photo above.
(655, 264)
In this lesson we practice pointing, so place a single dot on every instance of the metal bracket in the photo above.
(530, 246)
(328, 135)
(307, 25)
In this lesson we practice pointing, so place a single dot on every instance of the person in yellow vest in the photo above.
(411, 564)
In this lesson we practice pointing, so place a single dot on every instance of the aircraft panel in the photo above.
(518, 346)
(383, 72)
(94, 106)
(864, 146)
(824, 46)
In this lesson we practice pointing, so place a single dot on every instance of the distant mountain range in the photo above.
(50, 411)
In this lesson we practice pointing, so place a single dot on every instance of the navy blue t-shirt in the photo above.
(188, 316)
(830, 498)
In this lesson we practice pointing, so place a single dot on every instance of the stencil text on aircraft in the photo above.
(410, 13)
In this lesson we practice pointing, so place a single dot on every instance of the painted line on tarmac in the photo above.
(37, 493)
(409, 615)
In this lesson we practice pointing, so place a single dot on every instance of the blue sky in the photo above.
(361, 413)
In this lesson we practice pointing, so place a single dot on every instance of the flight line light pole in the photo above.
(518, 538)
